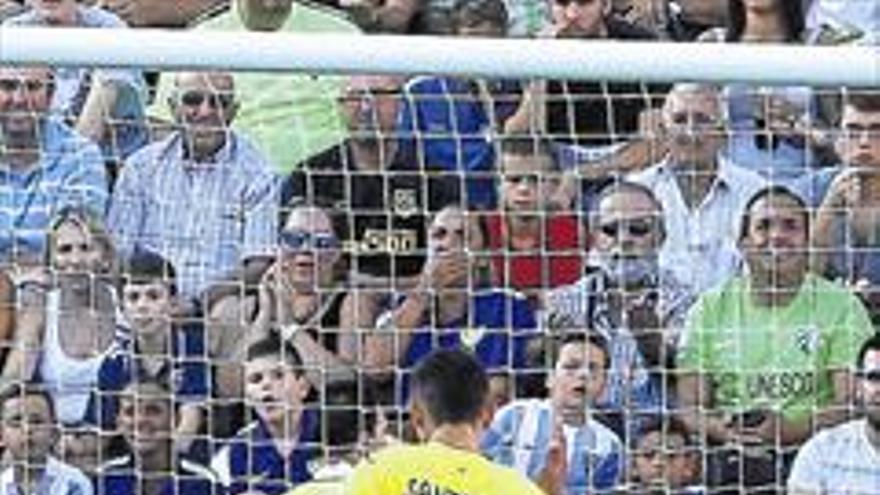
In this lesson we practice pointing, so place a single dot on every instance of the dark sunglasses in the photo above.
(197, 98)
(872, 376)
(12, 85)
(635, 228)
(301, 240)
(699, 120)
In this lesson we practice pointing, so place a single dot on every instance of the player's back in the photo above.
(435, 468)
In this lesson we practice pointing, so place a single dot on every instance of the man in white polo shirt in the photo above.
(846, 459)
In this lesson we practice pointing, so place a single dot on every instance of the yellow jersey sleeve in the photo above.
(370, 478)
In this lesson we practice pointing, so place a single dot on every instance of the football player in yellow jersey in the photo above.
(449, 406)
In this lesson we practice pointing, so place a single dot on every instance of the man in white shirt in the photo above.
(846, 459)
(702, 193)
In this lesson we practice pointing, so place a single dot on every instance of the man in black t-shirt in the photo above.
(386, 196)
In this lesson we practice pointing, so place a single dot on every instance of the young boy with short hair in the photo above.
(28, 432)
(272, 454)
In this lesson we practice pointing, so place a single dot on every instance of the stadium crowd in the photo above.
(263, 283)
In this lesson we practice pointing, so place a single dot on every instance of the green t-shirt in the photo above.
(774, 358)
(290, 117)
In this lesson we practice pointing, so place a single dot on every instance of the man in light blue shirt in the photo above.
(44, 165)
(204, 197)
(106, 105)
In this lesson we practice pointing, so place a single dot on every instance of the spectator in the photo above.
(204, 197)
(106, 106)
(636, 305)
(764, 358)
(273, 453)
(771, 128)
(300, 296)
(600, 119)
(67, 326)
(150, 466)
(448, 420)
(372, 177)
(522, 433)
(451, 306)
(844, 459)
(288, 117)
(666, 460)
(161, 345)
(846, 233)
(701, 191)
(535, 248)
(29, 431)
(49, 165)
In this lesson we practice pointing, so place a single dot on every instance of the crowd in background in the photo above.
(219, 282)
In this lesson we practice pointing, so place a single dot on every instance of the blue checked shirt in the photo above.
(203, 217)
(586, 304)
(58, 478)
(520, 435)
(69, 172)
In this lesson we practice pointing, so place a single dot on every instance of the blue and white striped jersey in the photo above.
(520, 435)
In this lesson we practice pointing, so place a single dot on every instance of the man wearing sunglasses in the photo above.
(626, 296)
(203, 197)
(290, 116)
(846, 459)
(46, 165)
(702, 192)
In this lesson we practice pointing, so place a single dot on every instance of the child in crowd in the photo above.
(665, 460)
(159, 345)
(151, 465)
(525, 433)
(29, 430)
(272, 454)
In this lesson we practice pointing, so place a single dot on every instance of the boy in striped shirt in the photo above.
(524, 433)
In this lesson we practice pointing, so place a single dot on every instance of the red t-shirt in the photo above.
(559, 261)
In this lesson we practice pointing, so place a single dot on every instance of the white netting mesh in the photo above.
(226, 285)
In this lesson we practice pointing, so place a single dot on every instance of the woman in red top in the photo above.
(535, 240)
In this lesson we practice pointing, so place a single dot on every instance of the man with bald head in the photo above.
(44, 164)
(203, 197)
(702, 192)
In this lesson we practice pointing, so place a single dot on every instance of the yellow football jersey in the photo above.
(435, 469)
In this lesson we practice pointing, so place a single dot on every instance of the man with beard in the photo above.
(764, 358)
(627, 297)
(846, 459)
(702, 193)
(525, 432)
(204, 197)
(46, 166)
